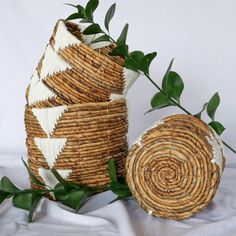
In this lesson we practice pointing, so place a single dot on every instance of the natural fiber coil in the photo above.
(174, 169)
(73, 72)
(77, 140)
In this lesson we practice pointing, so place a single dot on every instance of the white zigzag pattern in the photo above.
(48, 117)
(50, 148)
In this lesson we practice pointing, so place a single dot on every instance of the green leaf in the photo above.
(84, 187)
(122, 38)
(65, 183)
(8, 186)
(160, 100)
(101, 39)
(60, 192)
(27, 201)
(32, 177)
(83, 200)
(133, 61)
(166, 74)
(199, 114)
(78, 7)
(130, 64)
(213, 105)
(121, 51)
(92, 29)
(137, 56)
(109, 15)
(23, 201)
(173, 85)
(34, 203)
(217, 126)
(146, 62)
(112, 170)
(3, 196)
(72, 5)
(122, 180)
(120, 190)
(75, 16)
(74, 198)
(85, 21)
(170, 66)
(90, 8)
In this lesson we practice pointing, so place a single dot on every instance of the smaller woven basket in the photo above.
(78, 140)
(71, 71)
(174, 168)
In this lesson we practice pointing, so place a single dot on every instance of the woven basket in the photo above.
(78, 140)
(73, 72)
(174, 169)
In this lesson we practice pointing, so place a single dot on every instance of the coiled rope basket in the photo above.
(78, 140)
(71, 71)
(76, 113)
(174, 168)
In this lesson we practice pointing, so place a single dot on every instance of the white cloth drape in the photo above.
(120, 218)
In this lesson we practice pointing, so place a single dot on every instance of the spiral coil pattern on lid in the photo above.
(174, 169)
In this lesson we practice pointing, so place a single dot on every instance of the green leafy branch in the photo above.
(69, 194)
(172, 85)
(172, 88)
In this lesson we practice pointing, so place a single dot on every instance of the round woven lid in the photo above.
(174, 168)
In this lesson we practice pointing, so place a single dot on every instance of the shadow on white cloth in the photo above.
(124, 218)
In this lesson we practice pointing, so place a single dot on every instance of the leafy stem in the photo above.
(172, 85)
(70, 194)
(183, 109)
(172, 100)
(229, 147)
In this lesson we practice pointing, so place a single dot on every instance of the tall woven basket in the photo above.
(174, 168)
(78, 140)
(76, 113)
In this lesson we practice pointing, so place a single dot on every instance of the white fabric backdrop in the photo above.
(200, 34)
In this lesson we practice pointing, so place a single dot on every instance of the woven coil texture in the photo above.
(74, 70)
(76, 114)
(174, 168)
(78, 140)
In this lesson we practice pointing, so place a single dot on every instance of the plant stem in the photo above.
(230, 148)
(172, 100)
(182, 108)
(111, 39)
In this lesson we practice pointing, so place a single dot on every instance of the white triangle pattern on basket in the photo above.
(63, 38)
(38, 91)
(48, 117)
(130, 77)
(115, 96)
(51, 148)
(49, 179)
(52, 63)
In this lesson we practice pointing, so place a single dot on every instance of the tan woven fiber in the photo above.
(75, 29)
(77, 73)
(174, 169)
(91, 133)
(92, 73)
(51, 102)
